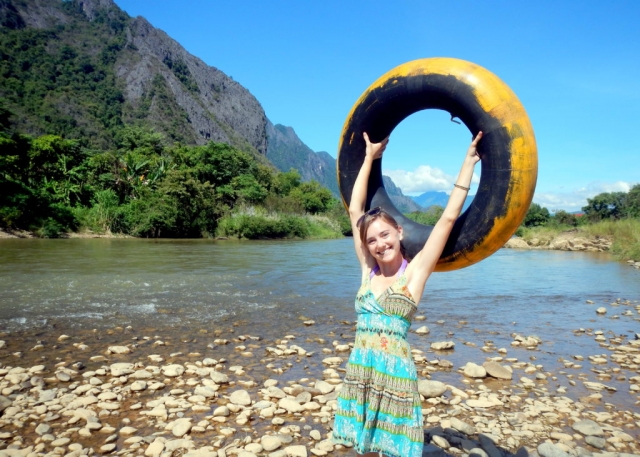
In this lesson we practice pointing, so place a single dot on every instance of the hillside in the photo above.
(285, 150)
(83, 69)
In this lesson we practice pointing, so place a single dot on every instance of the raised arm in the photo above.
(425, 261)
(373, 152)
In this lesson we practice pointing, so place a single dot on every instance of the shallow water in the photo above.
(183, 288)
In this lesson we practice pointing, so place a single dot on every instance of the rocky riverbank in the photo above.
(231, 393)
(564, 241)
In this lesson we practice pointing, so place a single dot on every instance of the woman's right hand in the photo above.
(374, 150)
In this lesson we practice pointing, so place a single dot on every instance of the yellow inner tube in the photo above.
(482, 101)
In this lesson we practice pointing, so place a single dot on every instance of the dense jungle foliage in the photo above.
(61, 80)
(145, 187)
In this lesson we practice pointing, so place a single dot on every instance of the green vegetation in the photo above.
(61, 80)
(611, 215)
(429, 217)
(144, 187)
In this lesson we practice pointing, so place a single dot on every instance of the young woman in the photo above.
(379, 407)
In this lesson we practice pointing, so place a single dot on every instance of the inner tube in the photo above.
(483, 102)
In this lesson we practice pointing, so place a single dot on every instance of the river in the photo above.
(187, 288)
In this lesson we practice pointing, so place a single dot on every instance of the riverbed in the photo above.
(234, 300)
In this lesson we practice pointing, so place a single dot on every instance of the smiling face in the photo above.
(383, 240)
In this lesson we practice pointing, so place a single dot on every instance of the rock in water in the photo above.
(495, 370)
(442, 345)
(240, 397)
(431, 389)
(472, 370)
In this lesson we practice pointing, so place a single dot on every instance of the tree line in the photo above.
(146, 187)
(604, 206)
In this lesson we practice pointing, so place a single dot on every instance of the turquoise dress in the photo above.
(379, 407)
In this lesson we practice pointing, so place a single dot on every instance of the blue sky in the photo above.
(575, 65)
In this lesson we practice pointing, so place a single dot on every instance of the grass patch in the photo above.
(623, 233)
(255, 224)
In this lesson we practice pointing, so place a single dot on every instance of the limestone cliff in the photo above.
(157, 82)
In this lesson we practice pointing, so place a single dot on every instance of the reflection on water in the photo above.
(186, 285)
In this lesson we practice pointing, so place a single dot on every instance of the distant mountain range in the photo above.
(437, 198)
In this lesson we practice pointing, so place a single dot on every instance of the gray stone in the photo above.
(324, 387)
(205, 391)
(142, 374)
(442, 345)
(551, 450)
(43, 429)
(240, 397)
(270, 443)
(47, 395)
(588, 427)
(463, 427)
(219, 378)
(495, 370)
(181, 427)
(431, 389)
(595, 441)
(296, 451)
(108, 448)
(121, 369)
(424, 330)
(172, 371)
(4, 403)
(290, 405)
(63, 377)
(472, 370)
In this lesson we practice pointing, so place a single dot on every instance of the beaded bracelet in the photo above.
(462, 187)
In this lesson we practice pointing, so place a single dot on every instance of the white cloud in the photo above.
(574, 200)
(423, 179)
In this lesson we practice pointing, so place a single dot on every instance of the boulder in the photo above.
(219, 378)
(240, 397)
(588, 428)
(495, 370)
(181, 427)
(290, 405)
(270, 443)
(121, 369)
(431, 389)
(173, 370)
(471, 370)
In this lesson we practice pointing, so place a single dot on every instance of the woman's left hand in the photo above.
(472, 152)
